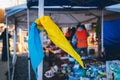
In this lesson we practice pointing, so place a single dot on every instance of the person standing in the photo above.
(4, 48)
(81, 40)
(68, 34)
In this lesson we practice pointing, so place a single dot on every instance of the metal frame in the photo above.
(40, 14)
(28, 24)
(7, 48)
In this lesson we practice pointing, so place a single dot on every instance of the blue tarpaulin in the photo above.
(112, 37)
(111, 33)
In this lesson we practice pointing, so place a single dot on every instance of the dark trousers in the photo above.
(4, 53)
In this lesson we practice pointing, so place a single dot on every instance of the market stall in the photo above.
(70, 9)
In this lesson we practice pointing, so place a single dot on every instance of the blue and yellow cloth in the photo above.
(54, 34)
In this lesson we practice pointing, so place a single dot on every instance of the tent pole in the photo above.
(40, 14)
(28, 24)
(14, 55)
(8, 54)
(102, 19)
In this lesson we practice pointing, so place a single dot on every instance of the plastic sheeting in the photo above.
(111, 33)
(112, 37)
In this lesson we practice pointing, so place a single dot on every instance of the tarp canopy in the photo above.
(63, 12)
(115, 8)
(71, 3)
(62, 18)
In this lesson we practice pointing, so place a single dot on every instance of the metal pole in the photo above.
(40, 14)
(28, 24)
(102, 35)
(14, 55)
(41, 8)
(7, 48)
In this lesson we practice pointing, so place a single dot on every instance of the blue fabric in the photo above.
(90, 3)
(111, 32)
(35, 47)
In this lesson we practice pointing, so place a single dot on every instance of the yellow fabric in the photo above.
(39, 26)
(57, 37)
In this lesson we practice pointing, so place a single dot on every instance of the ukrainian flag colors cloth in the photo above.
(35, 47)
(57, 37)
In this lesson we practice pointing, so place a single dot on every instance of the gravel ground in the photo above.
(21, 68)
(3, 70)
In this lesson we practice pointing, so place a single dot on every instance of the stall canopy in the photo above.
(71, 3)
(115, 8)
(63, 18)
(63, 12)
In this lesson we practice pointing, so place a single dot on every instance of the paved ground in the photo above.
(3, 67)
(21, 67)
(3, 70)
(21, 70)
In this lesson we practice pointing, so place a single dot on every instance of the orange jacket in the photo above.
(81, 39)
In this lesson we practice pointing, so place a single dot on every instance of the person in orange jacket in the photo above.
(80, 40)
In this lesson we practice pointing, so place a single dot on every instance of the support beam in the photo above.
(28, 24)
(8, 54)
(102, 35)
(14, 54)
(40, 14)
